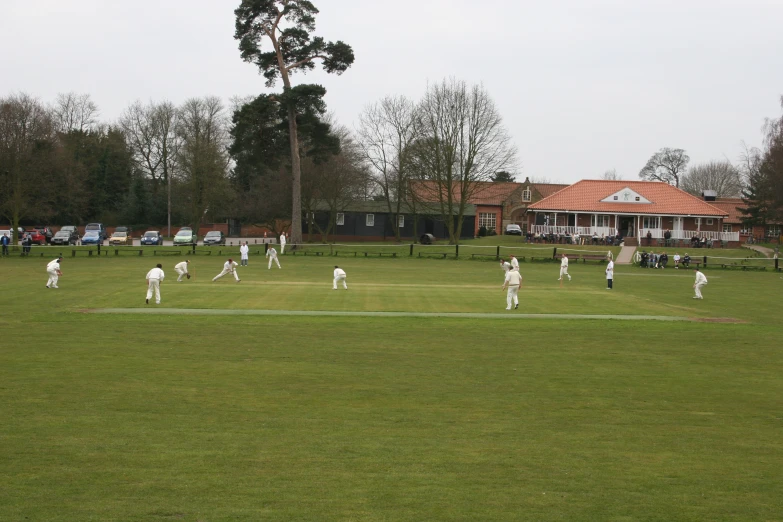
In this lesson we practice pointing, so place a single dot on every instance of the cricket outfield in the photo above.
(411, 396)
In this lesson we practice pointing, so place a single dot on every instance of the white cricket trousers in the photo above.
(564, 272)
(53, 278)
(337, 280)
(512, 295)
(270, 263)
(282, 248)
(182, 273)
(154, 286)
(697, 289)
(224, 272)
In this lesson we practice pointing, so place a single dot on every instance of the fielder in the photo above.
(564, 267)
(228, 268)
(272, 255)
(609, 274)
(53, 269)
(505, 265)
(244, 250)
(154, 277)
(339, 275)
(512, 282)
(282, 243)
(182, 270)
(514, 263)
(701, 280)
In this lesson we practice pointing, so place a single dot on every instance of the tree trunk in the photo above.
(296, 180)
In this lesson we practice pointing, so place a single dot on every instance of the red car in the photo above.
(36, 237)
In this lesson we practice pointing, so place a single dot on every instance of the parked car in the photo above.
(214, 237)
(151, 237)
(36, 237)
(185, 236)
(96, 227)
(92, 237)
(513, 230)
(65, 237)
(46, 232)
(121, 238)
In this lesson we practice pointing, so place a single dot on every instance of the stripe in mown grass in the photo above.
(333, 313)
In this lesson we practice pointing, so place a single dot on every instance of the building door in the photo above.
(678, 223)
(627, 226)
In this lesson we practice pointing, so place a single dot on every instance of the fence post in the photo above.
(456, 250)
(497, 254)
(411, 250)
(777, 267)
(266, 247)
(73, 253)
(554, 253)
(705, 262)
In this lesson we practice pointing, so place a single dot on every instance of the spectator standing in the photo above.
(282, 245)
(701, 280)
(244, 251)
(154, 278)
(609, 274)
(27, 245)
(53, 269)
(339, 276)
(5, 241)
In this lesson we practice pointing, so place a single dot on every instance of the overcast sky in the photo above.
(583, 86)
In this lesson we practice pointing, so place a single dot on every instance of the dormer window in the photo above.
(526, 195)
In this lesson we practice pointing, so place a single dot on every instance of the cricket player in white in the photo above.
(339, 275)
(505, 265)
(182, 270)
(154, 277)
(609, 274)
(243, 253)
(701, 280)
(229, 267)
(53, 269)
(564, 267)
(514, 264)
(272, 255)
(512, 282)
(282, 243)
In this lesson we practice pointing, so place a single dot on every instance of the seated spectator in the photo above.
(664, 260)
(686, 260)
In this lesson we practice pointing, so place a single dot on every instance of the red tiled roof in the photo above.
(486, 192)
(586, 196)
(547, 189)
(729, 206)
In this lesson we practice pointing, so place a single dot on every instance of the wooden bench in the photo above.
(428, 254)
(486, 255)
(381, 254)
(584, 257)
(306, 253)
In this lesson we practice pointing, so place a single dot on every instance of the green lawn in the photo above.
(205, 418)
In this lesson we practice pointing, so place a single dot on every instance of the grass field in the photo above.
(142, 417)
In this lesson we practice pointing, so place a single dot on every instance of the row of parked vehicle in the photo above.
(95, 233)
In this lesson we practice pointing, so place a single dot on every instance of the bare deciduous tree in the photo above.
(75, 112)
(387, 130)
(667, 165)
(202, 128)
(612, 175)
(720, 176)
(150, 132)
(27, 138)
(463, 143)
